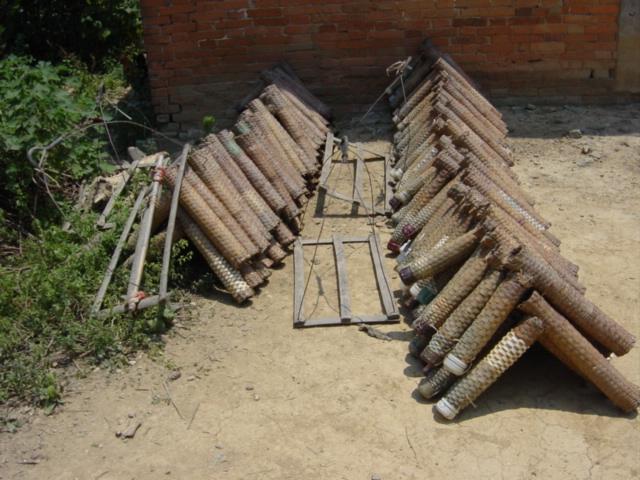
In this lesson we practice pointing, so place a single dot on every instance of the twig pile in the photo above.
(243, 192)
(485, 273)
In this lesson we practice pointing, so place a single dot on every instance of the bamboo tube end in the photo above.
(445, 409)
(455, 365)
(406, 275)
(394, 246)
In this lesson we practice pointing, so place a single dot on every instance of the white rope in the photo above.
(396, 68)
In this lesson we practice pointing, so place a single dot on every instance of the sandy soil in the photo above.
(257, 399)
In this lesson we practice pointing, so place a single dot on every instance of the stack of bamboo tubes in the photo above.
(244, 189)
(485, 276)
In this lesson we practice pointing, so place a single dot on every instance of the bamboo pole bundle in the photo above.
(302, 132)
(274, 151)
(205, 164)
(472, 247)
(241, 196)
(298, 154)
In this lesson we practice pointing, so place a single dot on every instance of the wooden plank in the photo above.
(298, 282)
(343, 285)
(329, 241)
(356, 319)
(321, 199)
(388, 191)
(386, 295)
(326, 161)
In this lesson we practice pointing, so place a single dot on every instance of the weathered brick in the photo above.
(202, 52)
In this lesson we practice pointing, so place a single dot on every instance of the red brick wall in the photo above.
(205, 55)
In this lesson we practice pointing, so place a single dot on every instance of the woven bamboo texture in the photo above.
(506, 352)
(228, 275)
(439, 223)
(584, 357)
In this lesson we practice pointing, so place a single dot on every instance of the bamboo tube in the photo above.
(503, 200)
(275, 252)
(436, 382)
(461, 285)
(262, 159)
(297, 154)
(456, 220)
(212, 226)
(453, 89)
(460, 318)
(284, 235)
(248, 192)
(460, 133)
(454, 251)
(507, 352)
(496, 310)
(221, 211)
(303, 133)
(253, 173)
(445, 168)
(412, 223)
(468, 90)
(318, 120)
(251, 275)
(208, 170)
(296, 87)
(266, 126)
(584, 357)
(584, 314)
(274, 156)
(415, 99)
(505, 228)
(483, 140)
(450, 108)
(222, 269)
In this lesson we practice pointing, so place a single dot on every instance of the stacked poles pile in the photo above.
(244, 190)
(485, 277)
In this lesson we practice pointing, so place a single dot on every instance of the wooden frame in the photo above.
(346, 317)
(356, 198)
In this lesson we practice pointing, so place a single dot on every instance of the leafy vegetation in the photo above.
(99, 33)
(63, 65)
(45, 294)
(39, 102)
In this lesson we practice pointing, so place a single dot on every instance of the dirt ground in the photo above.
(258, 399)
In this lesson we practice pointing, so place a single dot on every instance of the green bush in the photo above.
(45, 298)
(97, 32)
(38, 102)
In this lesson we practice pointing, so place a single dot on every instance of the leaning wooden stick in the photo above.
(102, 219)
(143, 239)
(171, 223)
(97, 303)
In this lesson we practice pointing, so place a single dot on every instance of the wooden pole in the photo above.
(171, 223)
(143, 238)
(97, 303)
(102, 219)
(147, 302)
